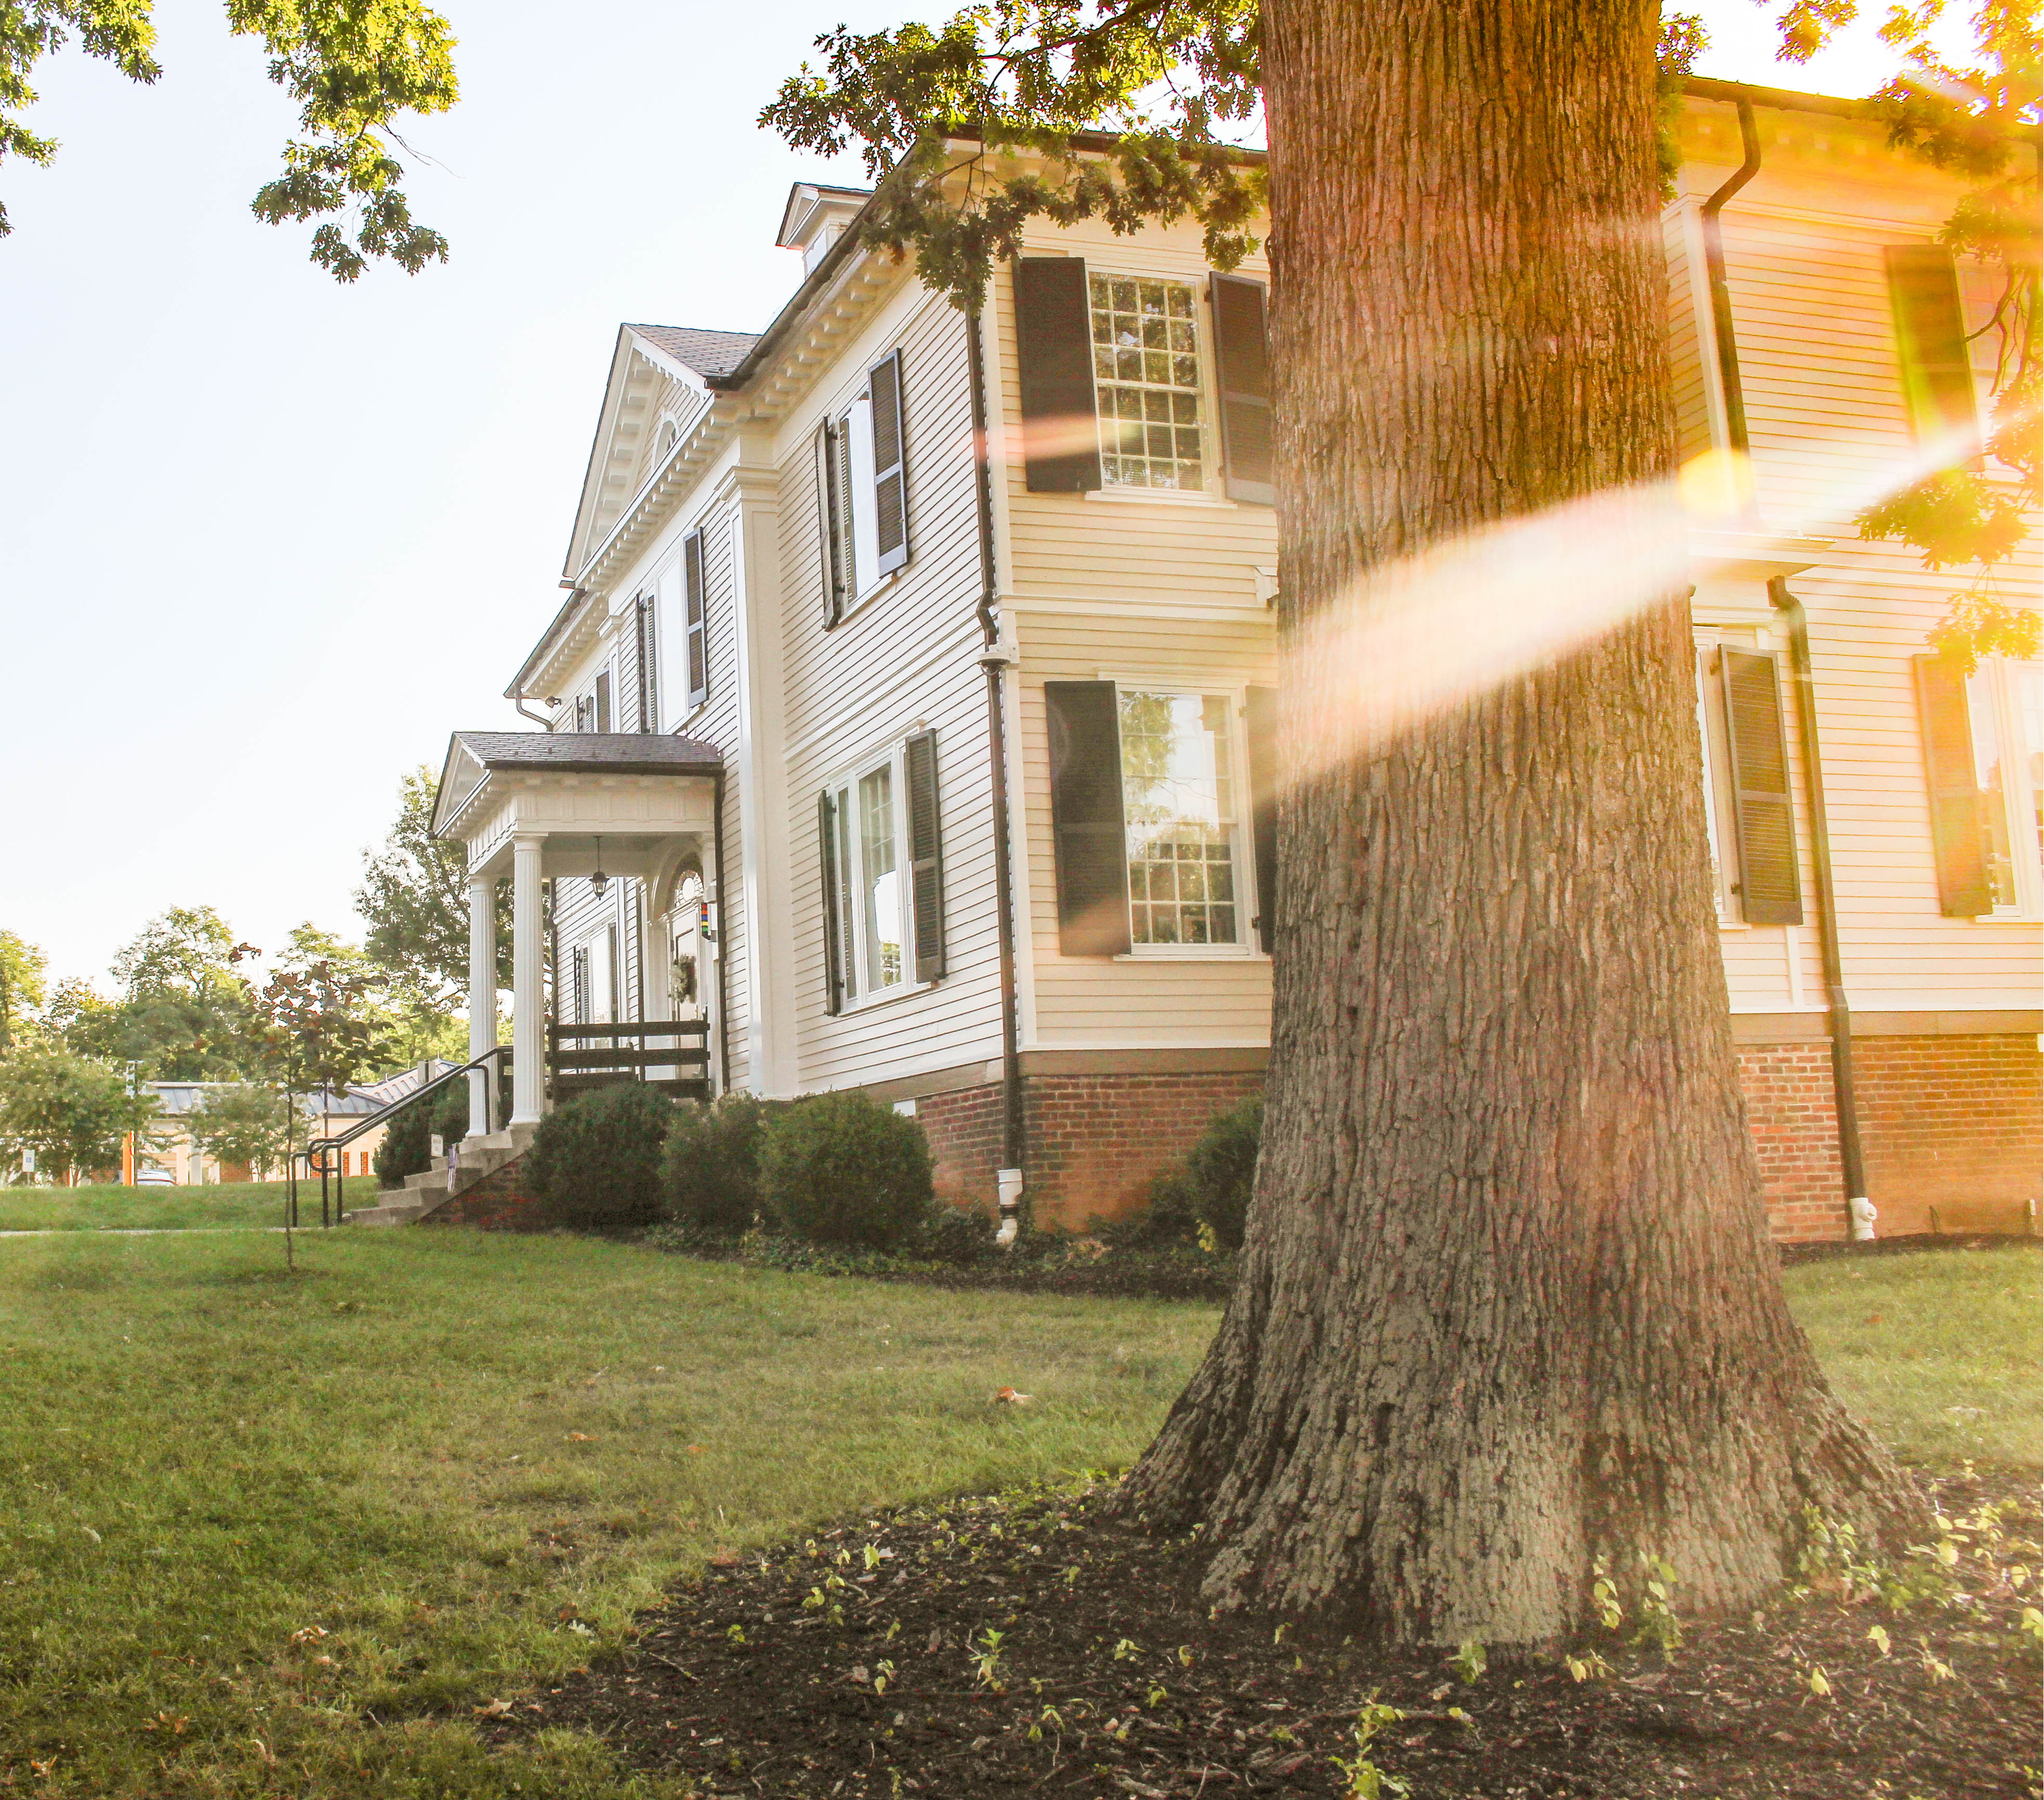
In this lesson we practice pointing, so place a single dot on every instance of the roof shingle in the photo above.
(707, 352)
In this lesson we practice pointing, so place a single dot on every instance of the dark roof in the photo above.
(707, 352)
(602, 753)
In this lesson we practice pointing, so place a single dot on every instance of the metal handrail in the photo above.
(320, 1149)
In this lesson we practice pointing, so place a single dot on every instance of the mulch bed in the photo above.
(859, 1662)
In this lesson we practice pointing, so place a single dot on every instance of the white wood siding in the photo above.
(1825, 408)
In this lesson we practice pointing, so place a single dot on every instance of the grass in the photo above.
(264, 1533)
(466, 1460)
(111, 1206)
(1939, 1349)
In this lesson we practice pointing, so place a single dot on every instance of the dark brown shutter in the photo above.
(1090, 839)
(1931, 339)
(694, 612)
(1242, 367)
(926, 871)
(1957, 841)
(833, 949)
(603, 700)
(647, 620)
(1260, 705)
(1770, 886)
(890, 463)
(1053, 347)
(830, 505)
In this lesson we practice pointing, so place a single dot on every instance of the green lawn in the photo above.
(264, 1534)
(1941, 1349)
(112, 1207)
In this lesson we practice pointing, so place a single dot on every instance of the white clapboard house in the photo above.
(907, 722)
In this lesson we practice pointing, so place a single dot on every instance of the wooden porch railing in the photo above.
(582, 1056)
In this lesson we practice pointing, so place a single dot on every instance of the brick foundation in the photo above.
(1954, 1131)
(1792, 1111)
(1952, 1128)
(500, 1202)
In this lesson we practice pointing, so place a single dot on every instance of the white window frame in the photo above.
(1115, 493)
(1996, 686)
(851, 853)
(1714, 752)
(1241, 839)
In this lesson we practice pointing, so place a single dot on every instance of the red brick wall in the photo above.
(964, 1130)
(1953, 1127)
(500, 1202)
(1792, 1113)
(1096, 1141)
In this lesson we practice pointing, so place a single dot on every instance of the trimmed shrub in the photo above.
(595, 1161)
(406, 1148)
(1167, 1217)
(1221, 1172)
(710, 1172)
(960, 1236)
(841, 1168)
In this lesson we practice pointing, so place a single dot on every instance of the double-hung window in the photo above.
(1163, 816)
(1142, 381)
(1984, 755)
(882, 875)
(862, 489)
(1178, 789)
(1147, 382)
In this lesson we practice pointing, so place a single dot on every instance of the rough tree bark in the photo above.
(1508, 1303)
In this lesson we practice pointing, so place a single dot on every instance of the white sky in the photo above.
(264, 539)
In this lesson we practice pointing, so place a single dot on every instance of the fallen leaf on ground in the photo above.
(496, 1710)
(1008, 1397)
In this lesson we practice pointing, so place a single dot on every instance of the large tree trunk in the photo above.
(1508, 1304)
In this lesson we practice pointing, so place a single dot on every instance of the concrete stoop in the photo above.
(425, 1192)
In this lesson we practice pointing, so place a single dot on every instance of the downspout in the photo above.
(994, 660)
(1721, 320)
(1859, 1208)
(1852, 1163)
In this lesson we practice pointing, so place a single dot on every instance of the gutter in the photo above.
(995, 660)
(1838, 1014)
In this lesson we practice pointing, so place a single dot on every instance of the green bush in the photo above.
(961, 1236)
(841, 1168)
(1167, 1217)
(406, 1149)
(710, 1173)
(595, 1160)
(1220, 1173)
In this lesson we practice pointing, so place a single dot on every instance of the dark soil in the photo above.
(1843, 1248)
(999, 1646)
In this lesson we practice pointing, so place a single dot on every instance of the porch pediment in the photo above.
(635, 791)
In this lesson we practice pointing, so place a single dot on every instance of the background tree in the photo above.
(354, 70)
(1506, 1311)
(249, 1122)
(1980, 121)
(23, 988)
(186, 1011)
(414, 896)
(71, 1112)
(406, 1025)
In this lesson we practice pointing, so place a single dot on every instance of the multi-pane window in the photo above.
(880, 890)
(1147, 378)
(867, 896)
(1179, 795)
(2005, 705)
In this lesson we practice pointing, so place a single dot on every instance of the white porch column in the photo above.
(482, 997)
(528, 1046)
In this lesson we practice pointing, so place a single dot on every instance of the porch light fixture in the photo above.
(598, 881)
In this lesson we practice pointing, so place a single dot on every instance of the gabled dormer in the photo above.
(659, 383)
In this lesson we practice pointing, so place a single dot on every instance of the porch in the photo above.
(535, 807)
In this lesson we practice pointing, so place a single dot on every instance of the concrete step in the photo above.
(428, 1182)
(396, 1213)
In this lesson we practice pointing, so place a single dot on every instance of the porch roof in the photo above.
(474, 757)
